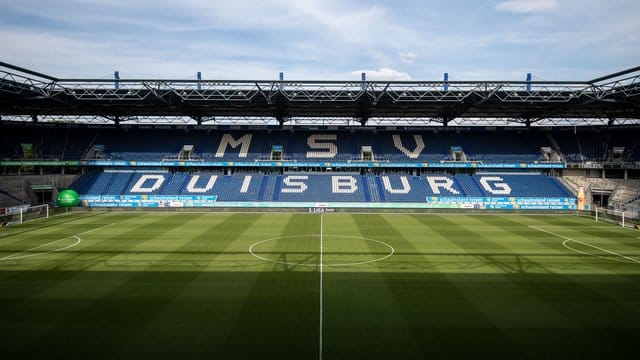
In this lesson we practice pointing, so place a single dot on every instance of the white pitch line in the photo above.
(14, 256)
(252, 252)
(564, 243)
(78, 241)
(567, 239)
(98, 228)
(321, 305)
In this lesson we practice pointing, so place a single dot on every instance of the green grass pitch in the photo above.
(255, 286)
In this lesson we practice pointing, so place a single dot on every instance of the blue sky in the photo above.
(323, 39)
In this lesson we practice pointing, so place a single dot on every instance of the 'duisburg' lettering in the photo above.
(441, 182)
(406, 188)
(498, 188)
(191, 187)
(157, 179)
(343, 184)
(293, 185)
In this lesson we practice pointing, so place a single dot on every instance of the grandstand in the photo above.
(401, 169)
(499, 159)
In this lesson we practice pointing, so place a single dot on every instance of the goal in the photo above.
(612, 216)
(22, 215)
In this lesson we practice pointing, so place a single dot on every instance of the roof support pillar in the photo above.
(116, 82)
(281, 84)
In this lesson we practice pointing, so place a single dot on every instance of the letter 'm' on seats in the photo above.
(293, 184)
(191, 187)
(314, 142)
(498, 188)
(228, 140)
(343, 184)
(157, 179)
(406, 188)
(441, 182)
(397, 142)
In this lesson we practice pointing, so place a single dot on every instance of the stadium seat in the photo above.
(322, 187)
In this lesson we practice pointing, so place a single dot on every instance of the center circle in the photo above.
(304, 250)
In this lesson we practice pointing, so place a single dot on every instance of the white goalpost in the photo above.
(24, 214)
(612, 216)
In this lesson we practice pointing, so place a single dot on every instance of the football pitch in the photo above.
(309, 286)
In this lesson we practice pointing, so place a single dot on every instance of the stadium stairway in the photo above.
(469, 186)
(374, 191)
(263, 185)
(83, 183)
(278, 188)
(380, 189)
(365, 188)
(101, 184)
(270, 187)
(175, 184)
(120, 184)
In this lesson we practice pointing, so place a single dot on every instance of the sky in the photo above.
(322, 39)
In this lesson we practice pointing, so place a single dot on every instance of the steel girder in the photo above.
(23, 92)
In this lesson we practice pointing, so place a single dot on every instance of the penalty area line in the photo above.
(96, 229)
(568, 239)
(15, 256)
(78, 241)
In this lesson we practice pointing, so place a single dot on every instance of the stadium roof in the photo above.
(26, 95)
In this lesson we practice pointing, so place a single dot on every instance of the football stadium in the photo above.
(155, 218)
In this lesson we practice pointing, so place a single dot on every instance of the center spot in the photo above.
(337, 250)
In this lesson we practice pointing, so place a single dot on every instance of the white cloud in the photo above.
(408, 57)
(527, 6)
(383, 74)
(66, 56)
(281, 34)
(320, 39)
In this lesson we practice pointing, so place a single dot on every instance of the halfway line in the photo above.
(321, 245)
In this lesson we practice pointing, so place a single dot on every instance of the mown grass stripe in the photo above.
(279, 314)
(139, 296)
(430, 301)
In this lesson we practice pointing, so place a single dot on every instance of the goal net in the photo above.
(612, 216)
(22, 215)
